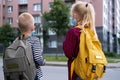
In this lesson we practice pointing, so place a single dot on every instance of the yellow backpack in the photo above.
(90, 64)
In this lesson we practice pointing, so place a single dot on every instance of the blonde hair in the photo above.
(86, 13)
(25, 22)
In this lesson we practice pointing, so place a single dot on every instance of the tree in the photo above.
(58, 18)
(7, 34)
(119, 38)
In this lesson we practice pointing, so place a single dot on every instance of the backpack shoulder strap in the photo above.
(26, 45)
(87, 31)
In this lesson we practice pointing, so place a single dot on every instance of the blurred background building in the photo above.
(107, 20)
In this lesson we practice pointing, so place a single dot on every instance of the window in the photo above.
(10, 20)
(37, 7)
(23, 1)
(37, 18)
(52, 44)
(50, 4)
(10, 9)
(9, 0)
(50, 32)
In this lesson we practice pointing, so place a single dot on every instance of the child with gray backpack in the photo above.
(23, 58)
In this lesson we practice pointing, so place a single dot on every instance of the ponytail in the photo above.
(86, 14)
(91, 15)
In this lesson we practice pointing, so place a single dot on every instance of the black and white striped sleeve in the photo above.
(37, 52)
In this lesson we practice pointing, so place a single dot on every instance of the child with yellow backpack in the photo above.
(86, 60)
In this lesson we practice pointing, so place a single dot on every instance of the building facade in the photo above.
(107, 23)
(11, 9)
(1, 14)
(107, 20)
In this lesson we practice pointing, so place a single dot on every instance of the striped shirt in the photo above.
(37, 54)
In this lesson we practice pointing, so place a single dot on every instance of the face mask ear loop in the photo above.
(33, 33)
(73, 21)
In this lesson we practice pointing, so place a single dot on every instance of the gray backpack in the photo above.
(18, 63)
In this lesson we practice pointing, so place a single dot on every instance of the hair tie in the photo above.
(86, 5)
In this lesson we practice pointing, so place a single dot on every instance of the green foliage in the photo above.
(7, 34)
(119, 39)
(58, 17)
(45, 35)
(112, 55)
(53, 58)
(57, 20)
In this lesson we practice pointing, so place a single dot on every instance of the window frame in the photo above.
(10, 9)
(37, 7)
(10, 20)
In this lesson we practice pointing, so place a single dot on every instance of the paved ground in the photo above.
(110, 65)
(1, 70)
